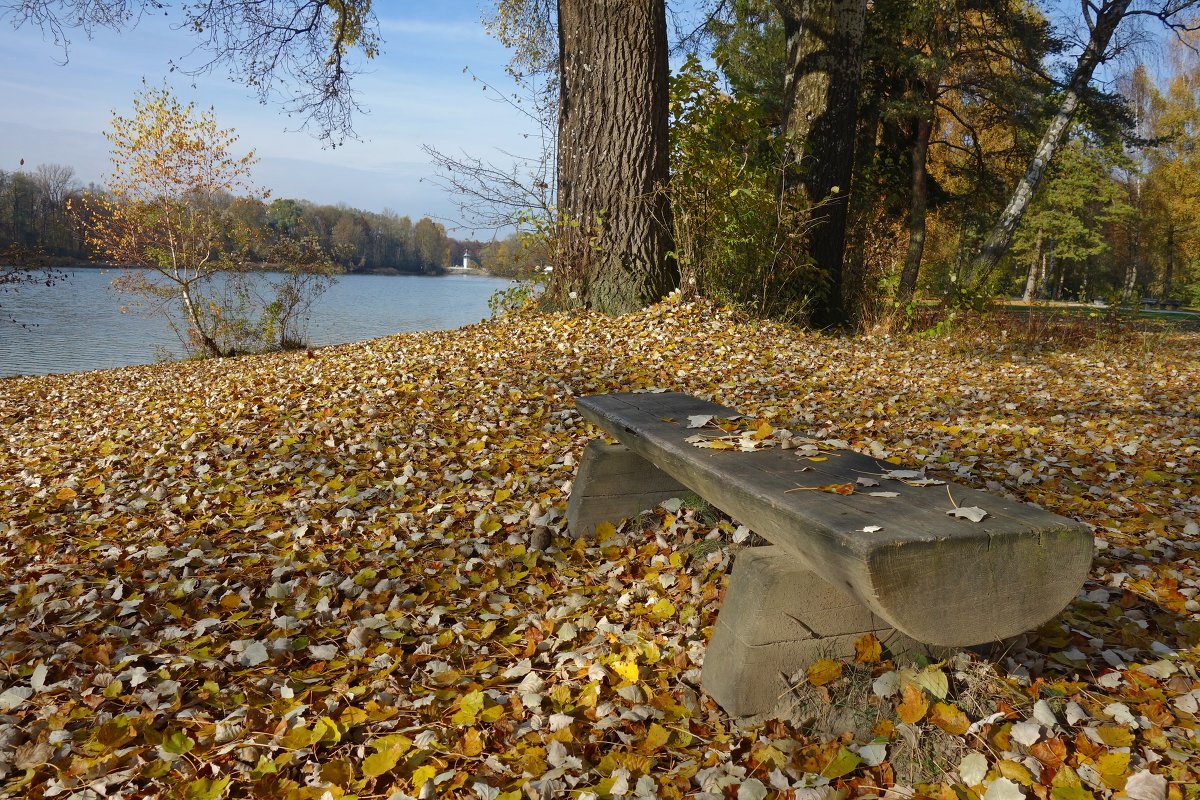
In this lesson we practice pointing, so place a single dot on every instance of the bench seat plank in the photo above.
(941, 580)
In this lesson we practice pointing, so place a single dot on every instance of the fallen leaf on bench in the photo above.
(833, 488)
(699, 420)
(867, 482)
(763, 431)
(973, 513)
(883, 494)
(871, 528)
(903, 474)
(912, 477)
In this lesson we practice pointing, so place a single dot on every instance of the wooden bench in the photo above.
(838, 566)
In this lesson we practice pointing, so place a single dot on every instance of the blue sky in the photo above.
(415, 93)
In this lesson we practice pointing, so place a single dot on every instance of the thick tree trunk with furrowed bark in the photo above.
(824, 40)
(614, 227)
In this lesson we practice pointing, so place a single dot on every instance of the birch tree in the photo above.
(162, 217)
(1101, 20)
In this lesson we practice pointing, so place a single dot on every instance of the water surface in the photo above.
(77, 324)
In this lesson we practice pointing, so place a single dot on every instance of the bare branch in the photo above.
(302, 54)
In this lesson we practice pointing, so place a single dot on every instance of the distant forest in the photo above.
(35, 218)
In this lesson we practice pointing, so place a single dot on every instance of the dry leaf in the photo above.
(913, 706)
(973, 513)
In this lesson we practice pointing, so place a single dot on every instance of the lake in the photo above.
(77, 324)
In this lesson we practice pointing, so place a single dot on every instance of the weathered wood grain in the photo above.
(612, 484)
(941, 580)
(777, 618)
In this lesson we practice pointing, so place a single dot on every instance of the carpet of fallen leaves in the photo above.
(311, 575)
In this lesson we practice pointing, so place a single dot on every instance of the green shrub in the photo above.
(736, 241)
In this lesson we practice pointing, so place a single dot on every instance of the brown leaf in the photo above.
(949, 718)
(914, 705)
(867, 649)
(824, 671)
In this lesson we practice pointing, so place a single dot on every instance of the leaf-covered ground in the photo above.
(310, 575)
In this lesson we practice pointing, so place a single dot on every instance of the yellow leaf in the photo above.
(843, 762)
(206, 788)
(472, 743)
(763, 431)
(604, 532)
(662, 610)
(634, 762)
(949, 718)
(468, 708)
(627, 670)
(1115, 735)
(868, 650)
(914, 705)
(338, 771)
(66, 493)
(297, 738)
(1113, 769)
(824, 671)
(656, 738)
(1015, 772)
(426, 773)
(934, 681)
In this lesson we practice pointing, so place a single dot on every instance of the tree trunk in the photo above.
(1168, 266)
(614, 224)
(857, 286)
(209, 345)
(919, 205)
(824, 41)
(1107, 19)
(1131, 268)
(1048, 268)
(1129, 287)
(1032, 276)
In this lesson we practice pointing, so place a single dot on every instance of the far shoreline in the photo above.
(62, 265)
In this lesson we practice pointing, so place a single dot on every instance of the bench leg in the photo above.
(614, 483)
(776, 619)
